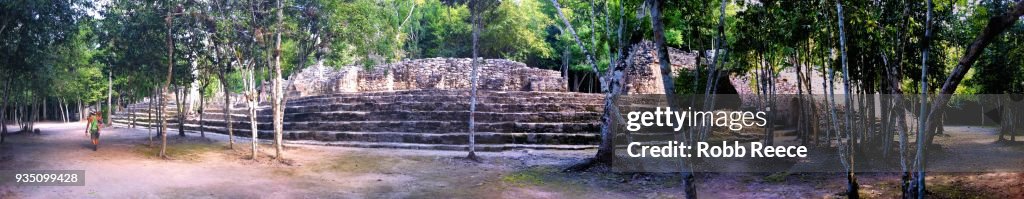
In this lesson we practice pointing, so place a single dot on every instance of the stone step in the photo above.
(408, 137)
(426, 126)
(402, 116)
(504, 94)
(414, 111)
(447, 138)
(145, 112)
(411, 106)
(420, 119)
(441, 98)
(438, 126)
(449, 106)
(478, 147)
(464, 92)
(448, 147)
(399, 115)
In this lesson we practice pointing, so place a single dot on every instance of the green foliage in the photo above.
(515, 30)
(131, 43)
(36, 39)
(69, 54)
(674, 37)
(999, 68)
(777, 177)
(363, 30)
(76, 75)
(445, 29)
(512, 30)
(235, 84)
(691, 82)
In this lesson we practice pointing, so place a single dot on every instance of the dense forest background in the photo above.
(74, 45)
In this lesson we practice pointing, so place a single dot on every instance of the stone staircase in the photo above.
(415, 119)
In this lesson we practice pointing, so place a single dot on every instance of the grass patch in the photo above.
(954, 191)
(530, 176)
(553, 180)
(776, 177)
(285, 172)
(185, 151)
(358, 164)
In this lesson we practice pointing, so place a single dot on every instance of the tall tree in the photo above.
(851, 183)
(996, 26)
(110, 93)
(611, 87)
(921, 133)
(169, 20)
(689, 188)
(474, 11)
(278, 92)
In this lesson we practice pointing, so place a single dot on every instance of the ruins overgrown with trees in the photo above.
(62, 58)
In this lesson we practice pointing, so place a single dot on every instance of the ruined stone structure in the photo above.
(643, 70)
(424, 104)
(420, 104)
(643, 76)
(433, 73)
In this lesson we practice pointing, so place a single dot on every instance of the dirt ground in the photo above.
(126, 166)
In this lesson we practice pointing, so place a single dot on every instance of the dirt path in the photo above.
(126, 167)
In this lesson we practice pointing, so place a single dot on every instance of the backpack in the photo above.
(94, 124)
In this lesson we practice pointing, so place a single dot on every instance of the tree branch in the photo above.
(996, 26)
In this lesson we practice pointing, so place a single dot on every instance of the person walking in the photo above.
(93, 129)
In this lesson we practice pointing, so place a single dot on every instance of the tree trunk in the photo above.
(606, 150)
(922, 130)
(227, 110)
(80, 112)
(183, 110)
(135, 117)
(565, 66)
(800, 117)
(690, 189)
(278, 93)
(474, 12)
(852, 187)
(19, 116)
(180, 110)
(15, 115)
(892, 74)
(58, 113)
(252, 98)
(3, 110)
(60, 110)
(170, 74)
(110, 93)
(996, 25)
(202, 112)
(33, 114)
(67, 110)
(149, 116)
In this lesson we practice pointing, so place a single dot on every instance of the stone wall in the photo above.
(643, 76)
(643, 70)
(643, 73)
(432, 73)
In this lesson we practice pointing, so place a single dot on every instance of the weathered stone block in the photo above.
(432, 73)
